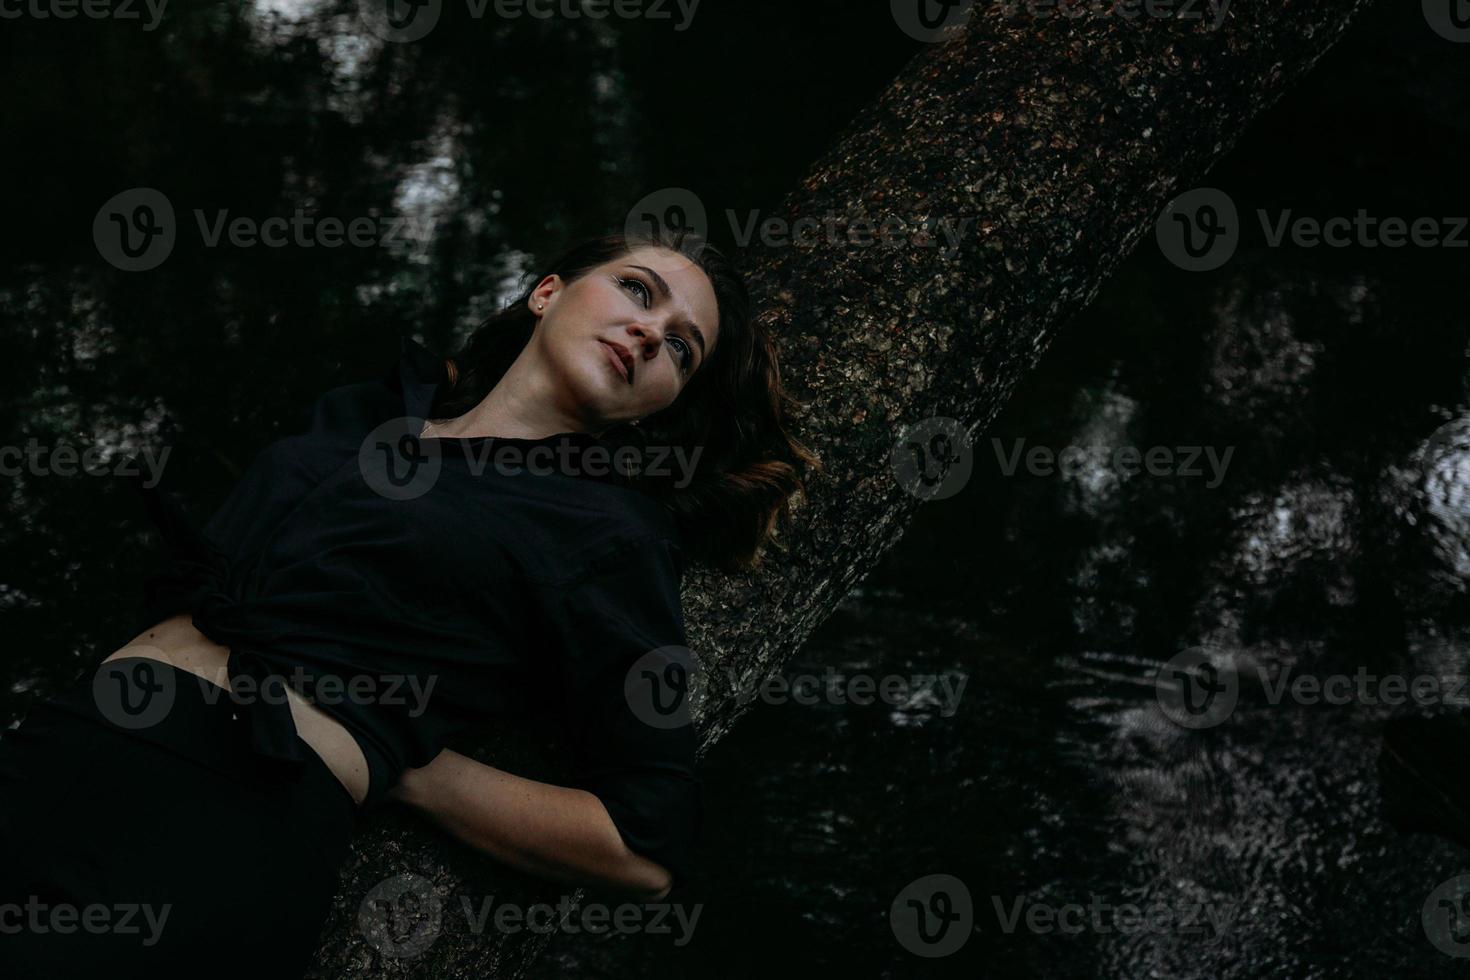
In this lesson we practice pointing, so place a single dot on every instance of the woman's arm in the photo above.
(549, 831)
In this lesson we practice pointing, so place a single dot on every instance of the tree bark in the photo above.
(1061, 140)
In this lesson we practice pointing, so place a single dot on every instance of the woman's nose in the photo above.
(650, 335)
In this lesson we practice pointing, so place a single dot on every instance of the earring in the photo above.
(540, 306)
(635, 421)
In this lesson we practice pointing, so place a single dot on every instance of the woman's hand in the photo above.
(550, 831)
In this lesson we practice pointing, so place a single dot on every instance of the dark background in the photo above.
(1055, 597)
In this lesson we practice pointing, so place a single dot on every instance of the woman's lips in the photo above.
(617, 360)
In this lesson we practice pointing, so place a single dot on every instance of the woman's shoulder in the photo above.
(408, 375)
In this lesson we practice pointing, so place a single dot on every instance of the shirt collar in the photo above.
(421, 372)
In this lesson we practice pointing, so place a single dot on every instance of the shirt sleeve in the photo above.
(626, 674)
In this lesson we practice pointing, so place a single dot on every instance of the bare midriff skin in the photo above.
(178, 642)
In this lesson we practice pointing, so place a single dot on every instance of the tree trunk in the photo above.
(1059, 142)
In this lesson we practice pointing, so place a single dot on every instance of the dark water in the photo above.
(1338, 537)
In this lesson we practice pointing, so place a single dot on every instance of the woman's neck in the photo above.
(522, 405)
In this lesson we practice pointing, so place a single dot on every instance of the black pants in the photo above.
(167, 851)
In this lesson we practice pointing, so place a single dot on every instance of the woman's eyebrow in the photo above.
(662, 287)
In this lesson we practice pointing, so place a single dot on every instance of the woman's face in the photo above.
(625, 338)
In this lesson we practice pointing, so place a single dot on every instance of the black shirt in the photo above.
(412, 587)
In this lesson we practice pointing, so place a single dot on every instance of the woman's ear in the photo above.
(544, 294)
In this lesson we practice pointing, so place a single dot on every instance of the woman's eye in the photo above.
(635, 285)
(686, 355)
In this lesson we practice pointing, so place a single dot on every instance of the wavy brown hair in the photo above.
(734, 408)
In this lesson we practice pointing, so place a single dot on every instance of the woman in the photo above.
(503, 531)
